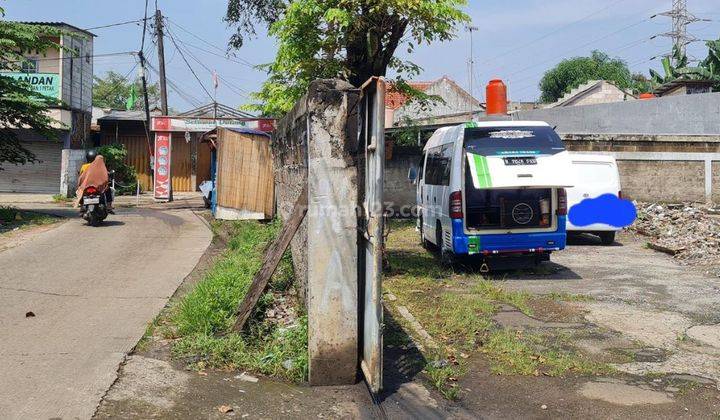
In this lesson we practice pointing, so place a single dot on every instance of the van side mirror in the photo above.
(412, 174)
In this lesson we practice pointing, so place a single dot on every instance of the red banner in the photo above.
(162, 166)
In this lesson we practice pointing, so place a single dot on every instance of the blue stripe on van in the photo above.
(509, 242)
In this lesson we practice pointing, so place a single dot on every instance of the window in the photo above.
(29, 65)
(494, 141)
(439, 164)
(421, 169)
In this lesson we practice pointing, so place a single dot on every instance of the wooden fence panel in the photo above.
(245, 176)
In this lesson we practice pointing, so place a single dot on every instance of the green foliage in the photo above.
(12, 218)
(350, 39)
(125, 175)
(203, 318)
(573, 72)
(113, 91)
(676, 67)
(19, 104)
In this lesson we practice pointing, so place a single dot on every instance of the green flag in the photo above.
(130, 104)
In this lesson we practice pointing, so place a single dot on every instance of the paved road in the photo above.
(93, 291)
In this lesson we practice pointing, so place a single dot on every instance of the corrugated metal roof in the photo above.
(118, 115)
(63, 24)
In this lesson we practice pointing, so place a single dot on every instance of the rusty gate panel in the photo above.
(372, 141)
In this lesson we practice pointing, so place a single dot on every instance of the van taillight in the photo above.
(562, 202)
(456, 206)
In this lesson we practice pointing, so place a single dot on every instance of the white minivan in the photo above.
(494, 187)
(593, 176)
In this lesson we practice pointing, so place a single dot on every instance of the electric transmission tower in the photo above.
(681, 19)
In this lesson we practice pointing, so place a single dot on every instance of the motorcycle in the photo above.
(93, 205)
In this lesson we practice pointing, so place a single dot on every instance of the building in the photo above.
(684, 86)
(65, 75)
(592, 93)
(456, 104)
(190, 163)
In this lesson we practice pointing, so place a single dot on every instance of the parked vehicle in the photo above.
(594, 175)
(493, 189)
(94, 205)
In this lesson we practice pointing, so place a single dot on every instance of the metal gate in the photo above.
(372, 140)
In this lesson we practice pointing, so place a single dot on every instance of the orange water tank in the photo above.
(646, 96)
(496, 95)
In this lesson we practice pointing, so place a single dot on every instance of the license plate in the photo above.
(511, 161)
(95, 200)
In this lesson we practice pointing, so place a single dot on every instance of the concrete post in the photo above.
(317, 143)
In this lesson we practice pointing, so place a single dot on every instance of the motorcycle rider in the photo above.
(94, 173)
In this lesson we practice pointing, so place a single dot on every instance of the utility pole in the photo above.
(161, 61)
(472, 64)
(681, 19)
(145, 97)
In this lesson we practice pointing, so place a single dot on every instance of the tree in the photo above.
(20, 106)
(708, 69)
(350, 39)
(573, 72)
(113, 91)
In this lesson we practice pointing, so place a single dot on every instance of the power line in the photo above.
(115, 24)
(76, 57)
(551, 33)
(242, 60)
(579, 47)
(182, 55)
(232, 86)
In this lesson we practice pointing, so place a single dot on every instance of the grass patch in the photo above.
(444, 378)
(12, 218)
(201, 322)
(569, 297)
(61, 198)
(457, 309)
(517, 352)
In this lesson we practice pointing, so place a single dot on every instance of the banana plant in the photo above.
(708, 69)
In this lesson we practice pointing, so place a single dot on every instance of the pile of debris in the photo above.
(689, 232)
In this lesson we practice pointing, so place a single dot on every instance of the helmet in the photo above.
(90, 155)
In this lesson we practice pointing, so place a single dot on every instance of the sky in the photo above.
(516, 41)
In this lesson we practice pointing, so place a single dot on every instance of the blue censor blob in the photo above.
(607, 209)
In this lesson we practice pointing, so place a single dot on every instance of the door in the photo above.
(42, 176)
(593, 178)
(372, 141)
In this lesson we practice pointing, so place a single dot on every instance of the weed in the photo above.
(444, 378)
(61, 198)
(11, 218)
(516, 352)
(209, 311)
(569, 297)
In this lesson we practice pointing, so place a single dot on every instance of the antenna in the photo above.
(681, 19)
(472, 63)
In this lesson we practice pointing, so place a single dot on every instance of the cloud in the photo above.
(607, 209)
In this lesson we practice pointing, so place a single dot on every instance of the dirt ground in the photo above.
(656, 322)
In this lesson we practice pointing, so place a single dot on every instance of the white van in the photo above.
(494, 187)
(593, 175)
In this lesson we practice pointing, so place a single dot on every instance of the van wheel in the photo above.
(446, 256)
(607, 238)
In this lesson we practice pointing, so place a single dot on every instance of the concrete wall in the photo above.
(315, 144)
(71, 161)
(399, 192)
(681, 115)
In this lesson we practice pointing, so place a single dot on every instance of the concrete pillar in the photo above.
(332, 235)
(315, 144)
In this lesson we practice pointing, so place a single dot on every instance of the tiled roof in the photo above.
(395, 99)
(58, 24)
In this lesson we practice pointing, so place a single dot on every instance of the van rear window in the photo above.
(494, 141)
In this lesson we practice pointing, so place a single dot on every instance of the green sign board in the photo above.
(47, 84)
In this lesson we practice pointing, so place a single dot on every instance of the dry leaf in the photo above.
(225, 409)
